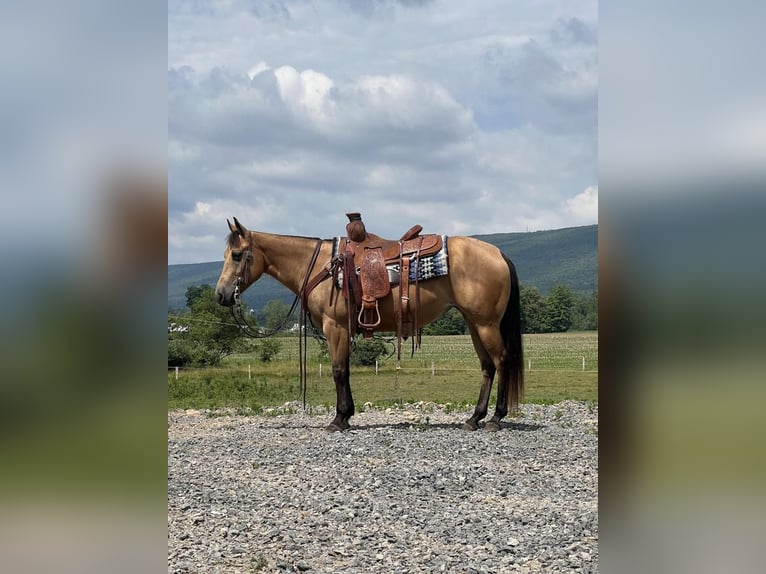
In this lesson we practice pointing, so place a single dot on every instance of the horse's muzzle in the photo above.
(223, 298)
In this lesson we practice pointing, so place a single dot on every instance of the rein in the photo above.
(237, 310)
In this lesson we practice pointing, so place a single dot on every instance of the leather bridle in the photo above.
(244, 265)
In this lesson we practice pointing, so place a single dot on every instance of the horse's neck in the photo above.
(287, 257)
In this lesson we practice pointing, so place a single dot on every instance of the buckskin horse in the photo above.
(480, 282)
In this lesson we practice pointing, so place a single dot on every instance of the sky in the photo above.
(464, 117)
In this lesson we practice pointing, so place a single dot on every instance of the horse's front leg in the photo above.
(338, 346)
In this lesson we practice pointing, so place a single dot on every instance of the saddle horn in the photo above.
(355, 229)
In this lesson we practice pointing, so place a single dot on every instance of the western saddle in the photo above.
(367, 279)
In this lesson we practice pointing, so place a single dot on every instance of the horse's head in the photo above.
(243, 264)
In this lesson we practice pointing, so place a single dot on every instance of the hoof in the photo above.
(337, 427)
(470, 426)
(492, 426)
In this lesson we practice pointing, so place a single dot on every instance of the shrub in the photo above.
(184, 352)
(367, 351)
(179, 354)
(269, 349)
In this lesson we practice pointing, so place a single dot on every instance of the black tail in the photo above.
(510, 327)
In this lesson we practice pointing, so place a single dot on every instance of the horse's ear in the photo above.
(231, 227)
(240, 228)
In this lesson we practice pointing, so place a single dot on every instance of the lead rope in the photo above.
(302, 357)
(396, 380)
(303, 335)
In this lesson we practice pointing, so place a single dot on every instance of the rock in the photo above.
(381, 498)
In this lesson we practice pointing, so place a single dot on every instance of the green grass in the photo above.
(445, 370)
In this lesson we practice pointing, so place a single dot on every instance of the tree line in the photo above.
(206, 333)
(562, 310)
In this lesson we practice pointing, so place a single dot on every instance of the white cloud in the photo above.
(584, 206)
(202, 209)
(198, 234)
(419, 115)
(257, 69)
(306, 93)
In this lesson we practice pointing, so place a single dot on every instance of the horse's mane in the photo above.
(232, 239)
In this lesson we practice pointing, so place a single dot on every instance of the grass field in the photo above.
(445, 370)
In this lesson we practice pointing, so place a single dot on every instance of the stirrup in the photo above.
(369, 325)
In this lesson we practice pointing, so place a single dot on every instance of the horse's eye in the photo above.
(236, 256)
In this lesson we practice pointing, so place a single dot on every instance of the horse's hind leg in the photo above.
(491, 341)
(501, 408)
(487, 376)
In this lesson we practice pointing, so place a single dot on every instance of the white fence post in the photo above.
(376, 367)
(249, 375)
(433, 370)
(320, 370)
(176, 373)
(530, 365)
(583, 363)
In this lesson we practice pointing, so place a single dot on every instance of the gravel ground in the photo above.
(405, 490)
